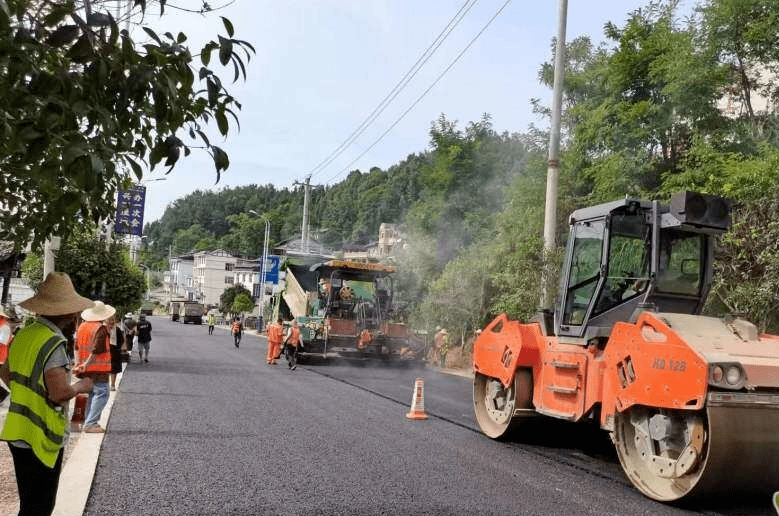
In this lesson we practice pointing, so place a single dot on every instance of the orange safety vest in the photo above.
(275, 333)
(6, 336)
(85, 343)
(294, 338)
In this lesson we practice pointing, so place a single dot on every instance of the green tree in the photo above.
(83, 106)
(32, 270)
(102, 272)
(227, 299)
(517, 251)
(637, 108)
(242, 303)
(458, 299)
(745, 36)
(194, 238)
(247, 232)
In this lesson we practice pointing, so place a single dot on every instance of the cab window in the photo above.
(585, 270)
(628, 266)
(680, 268)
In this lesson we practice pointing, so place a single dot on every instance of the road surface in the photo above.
(208, 429)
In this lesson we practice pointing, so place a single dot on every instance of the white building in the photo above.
(247, 274)
(390, 241)
(179, 281)
(212, 274)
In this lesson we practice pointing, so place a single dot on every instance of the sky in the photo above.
(323, 66)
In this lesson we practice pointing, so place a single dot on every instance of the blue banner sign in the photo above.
(129, 211)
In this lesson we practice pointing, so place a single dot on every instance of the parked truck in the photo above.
(174, 307)
(173, 310)
(345, 307)
(691, 402)
(191, 312)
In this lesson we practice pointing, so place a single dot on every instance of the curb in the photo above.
(465, 373)
(78, 471)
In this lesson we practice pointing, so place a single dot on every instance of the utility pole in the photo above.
(170, 276)
(553, 165)
(304, 229)
(52, 244)
(263, 272)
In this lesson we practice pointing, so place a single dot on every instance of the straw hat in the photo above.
(56, 296)
(99, 312)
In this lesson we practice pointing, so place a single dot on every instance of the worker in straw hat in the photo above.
(441, 345)
(93, 360)
(37, 373)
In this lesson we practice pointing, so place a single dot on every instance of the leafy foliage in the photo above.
(83, 106)
(228, 297)
(102, 272)
(648, 118)
(242, 303)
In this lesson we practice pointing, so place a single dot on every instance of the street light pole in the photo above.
(263, 266)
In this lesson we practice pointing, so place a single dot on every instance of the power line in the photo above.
(379, 109)
(403, 115)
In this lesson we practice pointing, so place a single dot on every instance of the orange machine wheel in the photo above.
(496, 407)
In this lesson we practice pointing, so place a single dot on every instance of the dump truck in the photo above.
(147, 308)
(691, 402)
(191, 312)
(345, 307)
(173, 309)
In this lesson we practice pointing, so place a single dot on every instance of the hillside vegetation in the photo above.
(663, 105)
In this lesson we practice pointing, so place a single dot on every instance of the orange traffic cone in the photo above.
(418, 401)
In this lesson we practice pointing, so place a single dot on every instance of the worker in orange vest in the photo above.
(6, 334)
(292, 342)
(275, 338)
(237, 330)
(93, 360)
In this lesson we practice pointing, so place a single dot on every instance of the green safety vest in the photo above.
(32, 416)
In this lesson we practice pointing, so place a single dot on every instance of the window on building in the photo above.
(228, 266)
(229, 280)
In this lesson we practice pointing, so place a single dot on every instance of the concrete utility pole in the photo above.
(52, 244)
(304, 229)
(553, 166)
(170, 276)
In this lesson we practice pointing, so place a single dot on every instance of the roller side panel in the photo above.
(560, 389)
(504, 345)
(649, 364)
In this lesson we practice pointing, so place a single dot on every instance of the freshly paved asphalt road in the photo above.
(207, 429)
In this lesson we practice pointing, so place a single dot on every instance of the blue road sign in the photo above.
(272, 269)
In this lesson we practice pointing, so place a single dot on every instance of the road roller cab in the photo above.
(691, 402)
